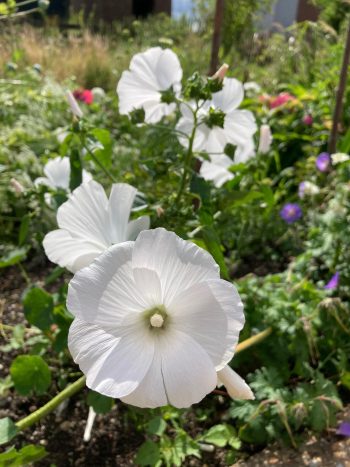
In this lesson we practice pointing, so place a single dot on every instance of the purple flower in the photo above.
(344, 429)
(323, 161)
(308, 119)
(291, 212)
(333, 283)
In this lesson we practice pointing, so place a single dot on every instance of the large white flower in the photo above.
(152, 74)
(154, 323)
(89, 223)
(220, 121)
(216, 169)
(57, 173)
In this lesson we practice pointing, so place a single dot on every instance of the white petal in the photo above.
(74, 106)
(57, 171)
(151, 391)
(188, 372)
(216, 139)
(114, 366)
(239, 126)
(235, 385)
(85, 215)
(168, 69)
(210, 312)
(215, 173)
(231, 95)
(230, 301)
(105, 292)
(178, 263)
(136, 226)
(245, 152)
(70, 252)
(119, 206)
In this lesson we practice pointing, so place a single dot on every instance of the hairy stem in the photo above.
(52, 404)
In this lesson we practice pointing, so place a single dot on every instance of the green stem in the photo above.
(253, 340)
(51, 405)
(187, 159)
(102, 167)
(24, 274)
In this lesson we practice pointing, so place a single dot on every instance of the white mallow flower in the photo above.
(339, 157)
(216, 169)
(153, 77)
(219, 120)
(57, 173)
(154, 323)
(265, 139)
(89, 223)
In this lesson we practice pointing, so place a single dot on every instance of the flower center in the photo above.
(216, 117)
(156, 317)
(157, 320)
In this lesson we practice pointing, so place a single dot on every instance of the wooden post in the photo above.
(219, 15)
(338, 109)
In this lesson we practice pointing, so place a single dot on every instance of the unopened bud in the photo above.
(17, 187)
(221, 73)
(265, 139)
(74, 106)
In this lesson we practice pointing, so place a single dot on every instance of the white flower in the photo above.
(265, 139)
(89, 223)
(252, 86)
(73, 104)
(339, 157)
(152, 74)
(307, 189)
(99, 94)
(216, 171)
(219, 120)
(154, 322)
(57, 173)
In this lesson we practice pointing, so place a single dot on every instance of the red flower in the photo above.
(281, 99)
(308, 119)
(84, 95)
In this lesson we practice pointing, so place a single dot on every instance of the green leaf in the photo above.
(25, 456)
(103, 150)
(156, 426)
(8, 430)
(76, 169)
(148, 454)
(38, 308)
(15, 256)
(30, 373)
(213, 245)
(100, 403)
(220, 435)
(345, 379)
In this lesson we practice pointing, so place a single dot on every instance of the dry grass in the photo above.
(85, 57)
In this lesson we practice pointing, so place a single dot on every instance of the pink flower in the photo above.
(84, 95)
(281, 99)
(308, 119)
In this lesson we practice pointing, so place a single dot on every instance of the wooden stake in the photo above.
(338, 109)
(219, 15)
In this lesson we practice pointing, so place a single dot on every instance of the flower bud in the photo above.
(221, 73)
(74, 106)
(265, 139)
(17, 187)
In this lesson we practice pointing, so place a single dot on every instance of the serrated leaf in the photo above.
(25, 456)
(30, 374)
(38, 308)
(8, 430)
